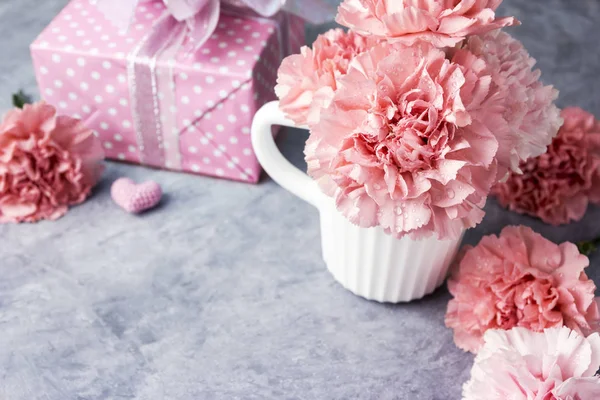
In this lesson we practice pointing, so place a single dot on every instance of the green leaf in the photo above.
(21, 98)
(588, 247)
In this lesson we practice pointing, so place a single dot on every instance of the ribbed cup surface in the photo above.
(380, 267)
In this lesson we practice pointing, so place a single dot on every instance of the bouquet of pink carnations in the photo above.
(417, 111)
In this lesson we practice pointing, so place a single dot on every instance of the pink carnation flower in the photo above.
(519, 279)
(529, 117)
(558, 185)
(307, 80)
(47, 163)
(442, 23)
(519, 364)
(398, 147)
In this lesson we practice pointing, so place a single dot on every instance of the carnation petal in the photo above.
(455, 23)
(578, 388)
(409, 20)
(13, 208)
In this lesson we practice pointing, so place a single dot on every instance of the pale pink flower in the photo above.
(558, 185)
(399, 148)
(307, 80)
(440, 22)
(529, 117)
(519, 364)
(519, 279)
(47, 163)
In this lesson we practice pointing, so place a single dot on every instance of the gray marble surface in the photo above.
(221, 292)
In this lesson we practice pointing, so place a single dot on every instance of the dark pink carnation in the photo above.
(558, 185)
(307, 80)
(47, 163)
(440, 22)
(519, 279)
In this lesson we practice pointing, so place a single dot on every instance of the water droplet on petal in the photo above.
(377, 186)
(451, 194)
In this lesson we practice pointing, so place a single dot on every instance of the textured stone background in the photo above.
(221, 293)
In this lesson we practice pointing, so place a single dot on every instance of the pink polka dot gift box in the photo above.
(153, 95)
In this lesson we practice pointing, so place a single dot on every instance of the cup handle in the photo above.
(275, 164)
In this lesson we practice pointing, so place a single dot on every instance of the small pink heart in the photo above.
(135, 198)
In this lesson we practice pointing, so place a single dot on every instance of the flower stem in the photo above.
(588, 247)
(20, 98)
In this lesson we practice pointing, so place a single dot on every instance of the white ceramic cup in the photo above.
(366, 261)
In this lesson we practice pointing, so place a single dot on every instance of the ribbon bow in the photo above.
(202, 16)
